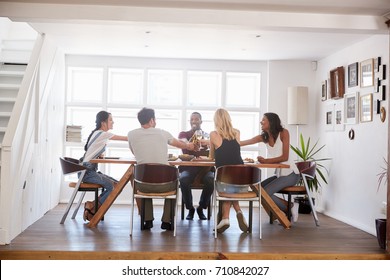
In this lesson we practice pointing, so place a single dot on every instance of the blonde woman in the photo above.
(225, 148)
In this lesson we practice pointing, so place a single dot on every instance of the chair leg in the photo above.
(131, 215)
(215, 215)
(142, 214)
(70, 203)
(289, 207)
(78, 205)
(250, 216)
(182, 208)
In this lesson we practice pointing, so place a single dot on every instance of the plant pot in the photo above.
(304, 205)
(380, 225)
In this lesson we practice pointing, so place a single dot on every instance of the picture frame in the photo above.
(339, 116)
(324, 91)
(351, 108)
(353, 74)
(337, 83)
(366, 108)
(377, 63)
(329, 117)
(367, 73)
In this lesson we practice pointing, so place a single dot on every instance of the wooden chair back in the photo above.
(307, 168)
(238, 174)
(70, 165)
(154, 173)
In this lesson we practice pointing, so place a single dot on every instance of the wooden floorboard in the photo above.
(48, 239)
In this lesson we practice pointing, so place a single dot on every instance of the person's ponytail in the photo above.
(102, 116)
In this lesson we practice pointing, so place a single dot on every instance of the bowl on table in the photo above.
(186, 157)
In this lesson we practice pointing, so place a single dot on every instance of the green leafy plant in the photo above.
(306, 152)
(382, 176)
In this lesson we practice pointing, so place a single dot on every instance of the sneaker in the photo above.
(294, 212)
(191, 213)
(200, 214)
(223, 225)
(242, 222)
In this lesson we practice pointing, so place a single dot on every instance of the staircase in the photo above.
(14, 56)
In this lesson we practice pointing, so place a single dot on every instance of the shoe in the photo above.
(200, 214)
(148, 225)
(166, 226)
(191, 213)
(294, 212)
(242, 222)
(223, 225)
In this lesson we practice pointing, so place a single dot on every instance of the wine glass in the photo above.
(198, 136)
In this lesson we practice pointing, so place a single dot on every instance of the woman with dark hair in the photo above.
(94, 148)
(277, 140)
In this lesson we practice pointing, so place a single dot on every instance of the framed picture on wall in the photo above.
(366, 108)
(351, 108)
(339, 116)
(324, 91)
(353, 71)
(367, 73)
(329, 117)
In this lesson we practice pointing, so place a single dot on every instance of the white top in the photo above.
(97, 144)
(276, 151)
(150, 145)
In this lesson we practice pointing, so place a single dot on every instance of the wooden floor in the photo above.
(48, 239)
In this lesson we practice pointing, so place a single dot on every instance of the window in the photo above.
(125, 86)
(204, 88)
(174, 92)
(85, 84)
(165, 87)
(242, 90)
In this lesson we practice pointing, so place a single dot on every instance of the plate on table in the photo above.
(202, 158)
(173, 158)
(249, 160)
(186, 157)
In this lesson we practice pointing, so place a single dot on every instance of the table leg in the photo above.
(270, 205)
(112, 196)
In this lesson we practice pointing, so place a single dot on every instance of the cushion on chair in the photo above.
(238, 195)
(293, 189)
(85, 186)
(157, 194)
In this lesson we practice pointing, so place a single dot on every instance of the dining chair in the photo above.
(70, 166)
(198, 185)
(238, 175)
(155, 174)
(307, 170)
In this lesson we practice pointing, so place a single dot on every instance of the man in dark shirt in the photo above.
(188, 173)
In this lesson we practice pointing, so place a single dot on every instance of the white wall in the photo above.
(351, 195)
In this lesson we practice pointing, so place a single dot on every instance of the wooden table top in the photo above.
(179, 162)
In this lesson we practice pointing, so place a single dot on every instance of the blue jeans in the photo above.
(94, 177)
(187, 177)
(274, 184)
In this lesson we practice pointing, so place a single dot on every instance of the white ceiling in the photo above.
(211, 29)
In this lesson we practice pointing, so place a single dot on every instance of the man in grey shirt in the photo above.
(150, 145)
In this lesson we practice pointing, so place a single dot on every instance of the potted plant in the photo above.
(306, 153)
(380, 224)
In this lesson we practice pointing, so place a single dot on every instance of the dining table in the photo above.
(128, 176)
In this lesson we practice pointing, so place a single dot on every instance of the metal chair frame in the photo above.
(155, 174)
(69, 166)
(238, 175)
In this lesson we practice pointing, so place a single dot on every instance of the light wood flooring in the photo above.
(48, 239)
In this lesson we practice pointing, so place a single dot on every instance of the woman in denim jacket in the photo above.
(94, 148)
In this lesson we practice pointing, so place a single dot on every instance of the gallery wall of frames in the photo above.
(345, 85)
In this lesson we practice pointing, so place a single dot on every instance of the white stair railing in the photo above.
(17, 147)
